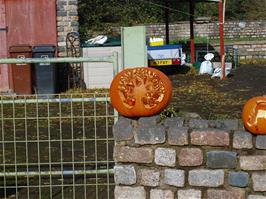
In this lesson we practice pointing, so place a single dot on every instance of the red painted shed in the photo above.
(27, 22)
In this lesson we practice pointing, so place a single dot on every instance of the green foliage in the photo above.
(197, 40)
(170, 111)
(207, 10)
(102, 15)
(235, 10)
(255, 9)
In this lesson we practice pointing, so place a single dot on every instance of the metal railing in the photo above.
(58, 147)
(111, 59)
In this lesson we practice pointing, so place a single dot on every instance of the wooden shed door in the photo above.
(4, 80)
(31, 22)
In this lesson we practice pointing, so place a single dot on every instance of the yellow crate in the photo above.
(156, 43)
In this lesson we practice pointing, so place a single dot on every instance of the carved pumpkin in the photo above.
(254, 115)
(140, 92)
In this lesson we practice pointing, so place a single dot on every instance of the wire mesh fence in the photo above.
(56, 146)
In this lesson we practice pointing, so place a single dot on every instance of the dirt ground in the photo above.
(215, 98)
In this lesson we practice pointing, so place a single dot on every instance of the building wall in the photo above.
(188, 158)
(250, 51)
(67, 21)
(232, 29)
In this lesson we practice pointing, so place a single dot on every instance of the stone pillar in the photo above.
(67, 21)
(187, 159)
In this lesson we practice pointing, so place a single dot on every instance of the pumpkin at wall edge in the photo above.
(254, 115)
(140, 92)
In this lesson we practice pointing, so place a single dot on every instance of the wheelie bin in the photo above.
(45, 73)
(21, 73)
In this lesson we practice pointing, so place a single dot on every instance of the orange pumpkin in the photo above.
(254, 115)
(140, 92)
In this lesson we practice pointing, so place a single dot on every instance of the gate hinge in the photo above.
(4, 29)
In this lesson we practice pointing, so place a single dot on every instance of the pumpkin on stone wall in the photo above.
(254, 115)
(140, 92)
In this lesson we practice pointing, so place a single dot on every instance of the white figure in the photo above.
(206, 66)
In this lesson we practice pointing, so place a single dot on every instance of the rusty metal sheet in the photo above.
(31, 22)
(4, 76)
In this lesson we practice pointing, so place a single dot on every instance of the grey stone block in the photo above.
(238, 179)
(73, 13)
(75, 28)
(61, 3)
(198, 123)
(259, 181)
(178, 136)
(73, 2)
(149, 121)
(130, 192)
(174, 122)
(261, 142)
(189, 194)
(165, 157)
(221, 159)
(226, 194)
(74, 23)
(61, 13)
(231, 124)
(216, 124)
(150, 135)
(161, 194)
(60, 29)
(242, 140)
(149, 177)
(253, 163)
(123, 129)
(125, 174)
(256, 197)
(174, 177)
(206, 178)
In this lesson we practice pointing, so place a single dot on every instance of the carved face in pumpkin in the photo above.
(138, 92)
(254, 115)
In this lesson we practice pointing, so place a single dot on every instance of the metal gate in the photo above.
(56, 146)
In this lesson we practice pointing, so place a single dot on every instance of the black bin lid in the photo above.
(45, 48)
(20, 48)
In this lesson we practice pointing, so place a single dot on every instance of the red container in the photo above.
(21, 73)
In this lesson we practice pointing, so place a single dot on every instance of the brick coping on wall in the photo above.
(188, 159)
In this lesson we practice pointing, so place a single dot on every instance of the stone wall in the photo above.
(67, 21)
(188, 159)
(232, 29)
(249, 51)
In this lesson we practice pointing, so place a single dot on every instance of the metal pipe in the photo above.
(61, 100)
(47, 173)
(166, 19)
(221, 29)
(56, 60)
(191, 21)
(116, 68)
